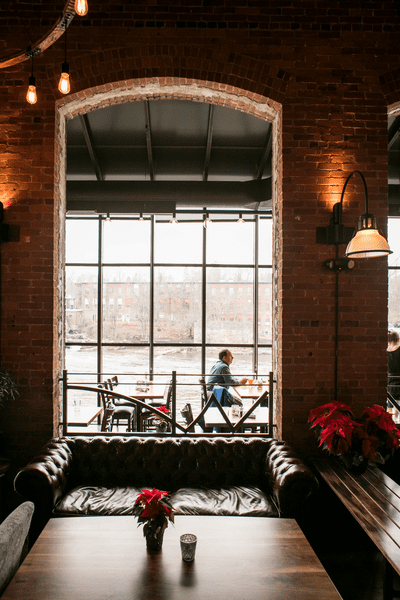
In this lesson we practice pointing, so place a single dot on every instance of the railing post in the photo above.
(173, 402)
(64, 401)
(271, 404)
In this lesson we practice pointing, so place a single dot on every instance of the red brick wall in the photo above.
(327, 74)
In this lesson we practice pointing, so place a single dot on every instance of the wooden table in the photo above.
(237, 558)
(213, 417)
(83, 416)
(154, 392)
(250, 391)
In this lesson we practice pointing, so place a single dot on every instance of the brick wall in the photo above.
(325, 76)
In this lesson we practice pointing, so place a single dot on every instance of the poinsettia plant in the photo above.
(152, 503)
(374, 436)
(153, 508)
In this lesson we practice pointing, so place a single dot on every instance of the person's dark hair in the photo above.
(223, 353)
(393, 337)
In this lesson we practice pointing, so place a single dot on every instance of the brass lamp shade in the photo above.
(368, 242)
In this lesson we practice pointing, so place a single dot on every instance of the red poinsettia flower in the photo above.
(163, 409)
(151, 503)
(341, 426)
(320, 414)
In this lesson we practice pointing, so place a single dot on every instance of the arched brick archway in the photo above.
(156, 89)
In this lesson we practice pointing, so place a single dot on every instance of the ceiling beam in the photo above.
(266, 155)
(148, 139)
(393, 132)
(184, 194)
(210, 129)
(90, 146)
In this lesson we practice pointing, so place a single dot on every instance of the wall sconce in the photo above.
(368, 242)
(8, 233)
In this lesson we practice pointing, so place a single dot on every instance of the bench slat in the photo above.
(372, 513)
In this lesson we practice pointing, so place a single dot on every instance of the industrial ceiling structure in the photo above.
(168, 152)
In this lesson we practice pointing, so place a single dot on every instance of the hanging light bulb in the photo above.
(240, 219)
(31, 95)
(81, 7)
(141, 217)
(174, 220)
(64, 85)
(207, 221)
(108, 218)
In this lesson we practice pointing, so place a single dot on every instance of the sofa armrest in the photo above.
(291, 481)
(44, 480)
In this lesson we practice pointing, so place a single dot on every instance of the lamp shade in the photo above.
(368, 242)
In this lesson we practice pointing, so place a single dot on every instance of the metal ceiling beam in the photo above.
(90, 146)
(83, 195)
(210, 128)
(148, 139)
(393, 132)
(267, 154)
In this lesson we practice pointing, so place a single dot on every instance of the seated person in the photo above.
(393, 359)
(221, 377)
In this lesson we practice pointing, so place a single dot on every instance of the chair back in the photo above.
(13, 535)
(167, 398)
(204, 390)
(108, 408)
(187, 414)
(114, 380)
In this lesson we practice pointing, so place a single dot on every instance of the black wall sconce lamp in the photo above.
(367, 242)
(8, 233)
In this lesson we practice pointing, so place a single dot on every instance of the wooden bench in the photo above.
(374, 501)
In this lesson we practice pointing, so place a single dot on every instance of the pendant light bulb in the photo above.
(81, 7)
(64, 85)
(31, 95)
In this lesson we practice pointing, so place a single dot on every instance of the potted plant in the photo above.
(154, 510)
(8, 387)
(356, 441)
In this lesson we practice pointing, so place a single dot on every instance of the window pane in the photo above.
(81, 304)
(229, 311)
(126, 241)
(126, 301)
(81, 360)
(230, 243)
(265, 242)
(264, 362)
(82, 241)
(265, 306)
(184, 361)
(394, 299)
(394, 241)
(179, 243)
(177, 304)
(129, 363)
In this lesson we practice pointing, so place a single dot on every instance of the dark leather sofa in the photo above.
(205, 475)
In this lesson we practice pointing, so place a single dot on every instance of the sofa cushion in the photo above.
(232, 501)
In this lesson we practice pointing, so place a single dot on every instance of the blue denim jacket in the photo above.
(221, 375)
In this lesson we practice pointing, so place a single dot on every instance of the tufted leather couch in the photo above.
(205, 475)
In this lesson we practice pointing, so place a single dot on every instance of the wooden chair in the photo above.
(13, 537)
(147, 417)
(113, 414)
(187, 414)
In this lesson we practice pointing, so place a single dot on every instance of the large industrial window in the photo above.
(145, 296)
(394, 274)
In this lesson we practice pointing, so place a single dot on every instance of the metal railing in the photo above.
(174, 426)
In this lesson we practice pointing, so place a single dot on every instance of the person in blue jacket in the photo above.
(220, 373)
